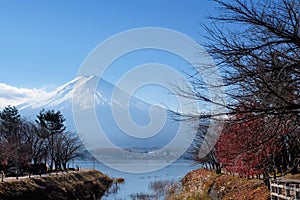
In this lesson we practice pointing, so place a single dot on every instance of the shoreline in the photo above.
(206, 185)
(83, 184)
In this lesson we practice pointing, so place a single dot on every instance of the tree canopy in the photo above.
(44, 141)
(256, 47)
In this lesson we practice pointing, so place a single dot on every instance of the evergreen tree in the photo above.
(51, 124)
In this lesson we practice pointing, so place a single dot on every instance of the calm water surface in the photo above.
(139, 182)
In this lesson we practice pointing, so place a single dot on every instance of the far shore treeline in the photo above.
(35, 146)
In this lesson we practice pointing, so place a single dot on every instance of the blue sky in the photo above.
(43, 43)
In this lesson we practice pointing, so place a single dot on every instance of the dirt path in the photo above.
(13, 178)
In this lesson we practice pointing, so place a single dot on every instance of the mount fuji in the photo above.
(101, 104)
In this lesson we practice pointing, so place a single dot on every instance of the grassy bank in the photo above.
(87, 184)
(207, 185)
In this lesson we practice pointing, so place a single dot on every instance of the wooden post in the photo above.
(278, 188)
(297, 191)
(287, 190)
(273, 189)
(2, 176)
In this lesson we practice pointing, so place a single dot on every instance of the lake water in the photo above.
(139, 182)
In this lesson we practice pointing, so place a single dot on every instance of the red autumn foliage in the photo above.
(246, 143)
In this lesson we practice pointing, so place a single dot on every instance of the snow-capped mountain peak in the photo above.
(64, 94)
(81, 94)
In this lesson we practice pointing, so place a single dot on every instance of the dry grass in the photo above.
(206, 185)
(75, 185)
(230, 187)
(119, 180)
(293, 176)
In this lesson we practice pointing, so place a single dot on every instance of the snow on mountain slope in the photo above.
(64, 94)
(61, 99)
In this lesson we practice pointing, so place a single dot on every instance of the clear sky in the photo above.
(43, 43)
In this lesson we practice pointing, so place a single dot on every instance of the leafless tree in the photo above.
(71, 147)
(201, 149)
(256, 47)
(36, 140)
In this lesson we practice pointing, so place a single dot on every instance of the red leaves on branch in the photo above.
(246, 143)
